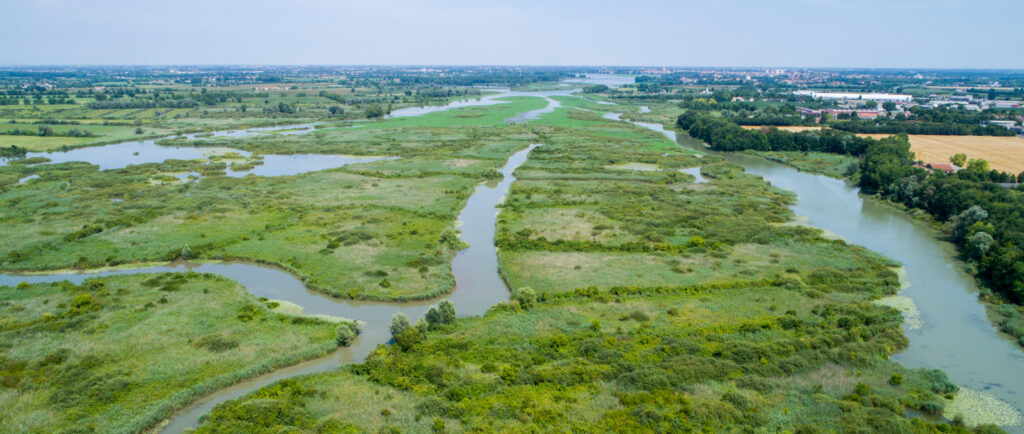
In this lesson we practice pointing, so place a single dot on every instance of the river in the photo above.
(477, 287)
(956, 336)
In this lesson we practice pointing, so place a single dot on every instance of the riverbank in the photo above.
(124, 351)
(786, 351)
(1003, 315)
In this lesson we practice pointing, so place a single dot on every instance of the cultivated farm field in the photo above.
(1003, 153)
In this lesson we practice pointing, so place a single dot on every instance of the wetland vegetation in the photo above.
(641, 297)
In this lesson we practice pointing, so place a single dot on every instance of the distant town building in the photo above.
(1004, 124)
(861, 113)
(879, 97)
(1006, 104)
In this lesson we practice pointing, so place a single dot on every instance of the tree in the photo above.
(375, 111)
(447, 310)
(979, 166)
(399, 323)
(978, 244)
(345, 333)
(433, 317)
(961, 223)
(441, 315)
(958, 160)
(408, 338)
(889, 106)
(526, 297)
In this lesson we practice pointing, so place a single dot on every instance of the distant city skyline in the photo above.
(939, 34)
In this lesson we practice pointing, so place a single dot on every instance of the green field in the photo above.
(121, 353)
(381, 230)
(662, 306)
(833, 165)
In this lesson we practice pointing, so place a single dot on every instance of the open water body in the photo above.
(121, 155)
(957, 336)
(477, 287)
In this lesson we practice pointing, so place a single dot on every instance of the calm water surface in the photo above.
(957, 336)
(121, 155)
(477, 287)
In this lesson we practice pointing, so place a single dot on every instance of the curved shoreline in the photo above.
(478, 287)
(277, 282)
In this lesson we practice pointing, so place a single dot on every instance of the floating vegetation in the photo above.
(977, 408)
(906, 306)
(804, 221)
(289, 308)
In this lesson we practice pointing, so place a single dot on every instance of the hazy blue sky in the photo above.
(869, 33)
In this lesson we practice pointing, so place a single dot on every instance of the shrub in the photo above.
(408, 338)
(930, 407)
(345, 333)
(896, 379)
(639, 316)
(399, 322)
(526, 297)
(938, 382)
(215, 343)
(441, 315)
(447, 312)
(81, 300)
(737, 400)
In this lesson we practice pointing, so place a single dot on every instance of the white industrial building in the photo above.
(878, 97)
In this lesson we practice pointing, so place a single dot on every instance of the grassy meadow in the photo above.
(380, 230)
(120, 353)
(655, 305)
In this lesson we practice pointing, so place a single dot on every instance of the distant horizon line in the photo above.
(468, 65)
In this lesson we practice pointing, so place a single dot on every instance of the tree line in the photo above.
(984, 219)
(723, 134)
(45, 131)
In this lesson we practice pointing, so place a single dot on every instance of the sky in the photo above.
(755, 33)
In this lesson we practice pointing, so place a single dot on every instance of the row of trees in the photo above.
(406, 335)
(142, 104)
(902, 126)
(45, 131)
(725, 135)
(984, 219)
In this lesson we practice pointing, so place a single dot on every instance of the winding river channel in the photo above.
(956, 336)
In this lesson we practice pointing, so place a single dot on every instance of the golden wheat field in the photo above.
(1003, 153)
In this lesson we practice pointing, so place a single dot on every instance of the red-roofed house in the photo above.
(948, 168)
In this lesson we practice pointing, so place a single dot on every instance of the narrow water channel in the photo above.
(477, 287)
(956, 337)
